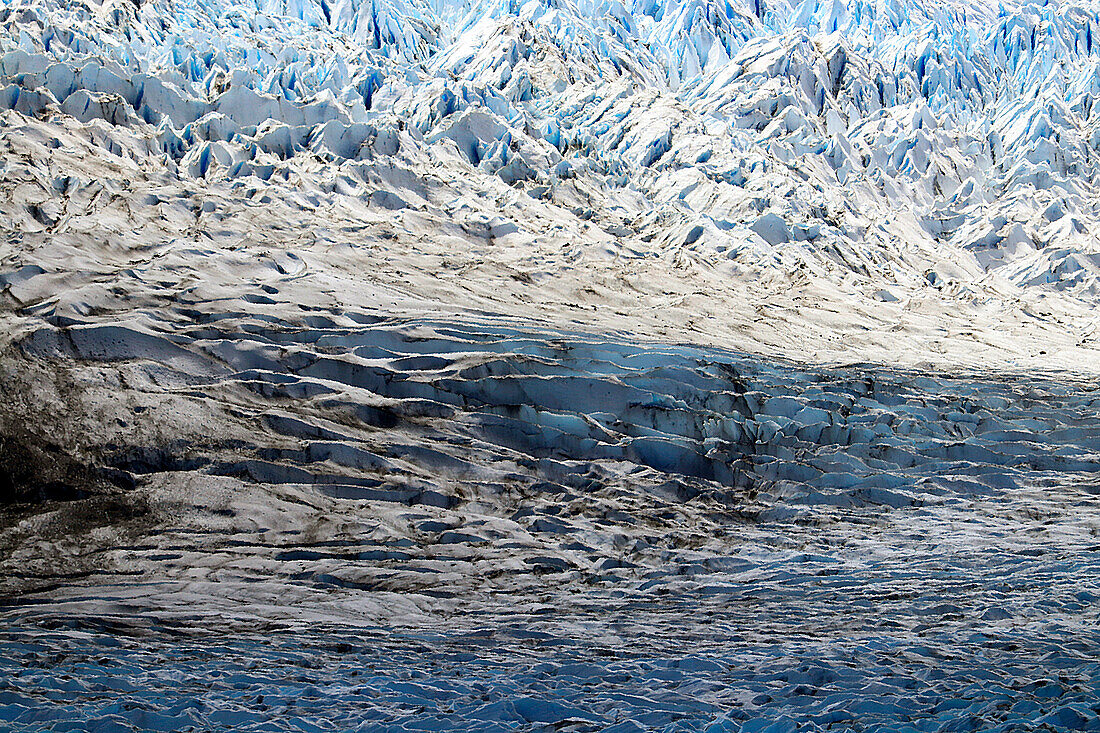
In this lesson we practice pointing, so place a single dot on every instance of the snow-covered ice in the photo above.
(484, 365)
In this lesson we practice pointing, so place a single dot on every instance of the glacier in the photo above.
(383, 365)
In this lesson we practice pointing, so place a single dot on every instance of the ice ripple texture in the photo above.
(492, 528)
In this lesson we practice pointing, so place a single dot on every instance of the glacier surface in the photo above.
(720, 365)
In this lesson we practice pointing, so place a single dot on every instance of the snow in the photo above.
(727, 365)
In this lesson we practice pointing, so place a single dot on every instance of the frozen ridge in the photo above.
(889, 153)
(394, 365)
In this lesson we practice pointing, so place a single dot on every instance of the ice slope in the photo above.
(403, 524)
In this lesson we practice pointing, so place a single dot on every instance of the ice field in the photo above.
(381, 365)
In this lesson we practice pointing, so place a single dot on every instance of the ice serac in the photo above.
(954, 128)
(934, 152)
